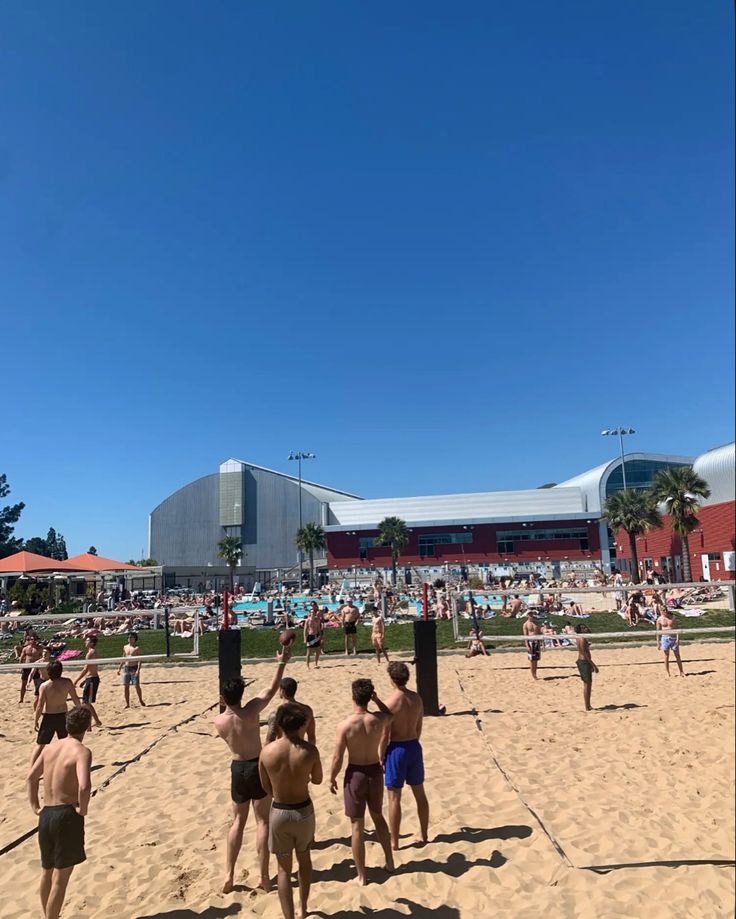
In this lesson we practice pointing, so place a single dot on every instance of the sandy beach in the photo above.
(528, 795)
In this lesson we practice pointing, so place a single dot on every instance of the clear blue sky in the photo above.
(441, 245)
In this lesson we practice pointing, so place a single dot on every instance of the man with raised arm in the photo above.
(287, 767)
(51, 708)
(239, 727)
(64, 766)
(364, 735)
(404, 762)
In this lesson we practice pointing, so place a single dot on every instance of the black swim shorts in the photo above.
(89, 692)
(351, 628)
(245, 783)
(585, 669)
(61, 837)
(54, 724)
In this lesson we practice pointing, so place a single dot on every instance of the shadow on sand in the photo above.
(415, 910)
(211, 912)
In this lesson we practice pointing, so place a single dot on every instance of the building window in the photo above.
(714, 556)
(365, 543)
(639, 475)
(505, 539)
(427, 541)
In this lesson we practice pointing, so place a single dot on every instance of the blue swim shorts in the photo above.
(669, 642)
(404, 763)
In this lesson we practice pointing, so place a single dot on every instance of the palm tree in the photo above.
(678, 489)
(310, 538)
(230, 550)
(635, 512)
(392, 531)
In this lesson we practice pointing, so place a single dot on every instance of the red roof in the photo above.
(26, 562)
(87, 562)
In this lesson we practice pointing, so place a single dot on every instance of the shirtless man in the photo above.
(364, 735)
(516, 606)
(533, 648)
(51, 707)
(64, 766)
(668, 642)
(404, 761)
(239, 727)
(586, 667)
(378, 635)
(287, 767)
(287, 692)
(30, 652)
(91, 676)
(313, 634)
(349, 616)
(132, 670)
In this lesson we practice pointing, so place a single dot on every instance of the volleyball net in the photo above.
(162, 635)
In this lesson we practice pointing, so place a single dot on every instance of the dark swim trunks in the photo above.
(51, 725)
(245, 783)
(313, 641)
(91, 685)
(535, 650)
(363, 785)
(61, 837)
(585, 669)
(404, 763)
(351, 628)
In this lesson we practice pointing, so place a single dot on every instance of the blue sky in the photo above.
(441, 245)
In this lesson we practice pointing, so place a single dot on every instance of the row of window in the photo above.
(505, 539)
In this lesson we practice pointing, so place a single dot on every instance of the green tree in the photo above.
(636, 513)
(230, 550)
(393, 532)
(310, 538)
(679, 489)
(56, 545)
(37, 545)
(92, 551)
(9, 516)
(143, 562)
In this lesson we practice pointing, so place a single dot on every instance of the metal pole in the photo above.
(425, 600)
(623, 461)
(167, 636)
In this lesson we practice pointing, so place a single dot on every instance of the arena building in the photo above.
(554, 529)
(258, 505)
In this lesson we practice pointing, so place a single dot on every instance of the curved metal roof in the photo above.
(718, 468)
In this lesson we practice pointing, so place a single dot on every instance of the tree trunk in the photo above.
(635, 577)
(311, 569)
(394, 560)
(686, 569)
(232, 580)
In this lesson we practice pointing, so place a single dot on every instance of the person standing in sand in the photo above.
(364, 735)
(287, 693)
(51, 708)
(91, 676)
(668, 642)
(131, 669)
(404, 761)
(349, 616)
(286, 768)
(533, 648)
(239, 727)
(313, 630)
(586, 667)
(65, 767)
(30, 652)
(378, 634)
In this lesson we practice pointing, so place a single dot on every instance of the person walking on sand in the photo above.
(51, 708)
(586, 667)
(287, 767)
(313, 634)
(239, 727)
(30, 652)
(131, 670)
(91, 676)
(65, 767)
(533, 648)
(378, 635)
(404, 761)
(364, 735)
(349, 616)
(668, 642)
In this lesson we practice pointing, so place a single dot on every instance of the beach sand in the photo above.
(528, 793)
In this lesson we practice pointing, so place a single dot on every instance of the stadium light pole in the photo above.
(298, 455)
(619, 432)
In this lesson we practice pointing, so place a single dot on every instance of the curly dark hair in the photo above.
(362, 692)
(78, 720)
(398, 672)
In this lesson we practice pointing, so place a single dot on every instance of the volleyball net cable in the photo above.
(57, 631)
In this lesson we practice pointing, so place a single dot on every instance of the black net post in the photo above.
(425, 655)
(228, 656)
(167, 634)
